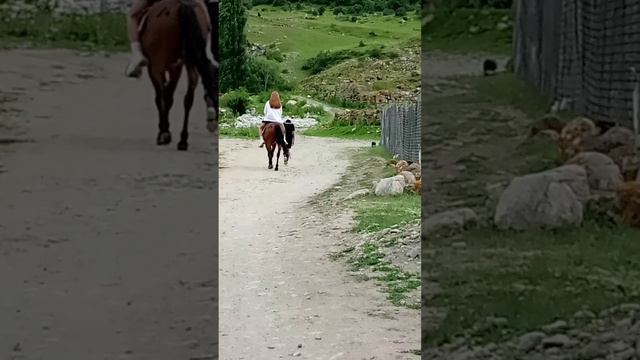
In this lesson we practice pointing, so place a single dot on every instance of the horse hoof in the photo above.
(164, 138)
(183, 146)
(211, 126)
(270, 167)
(212, 114)
(276, 169)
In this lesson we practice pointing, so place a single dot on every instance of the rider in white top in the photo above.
(272, 113)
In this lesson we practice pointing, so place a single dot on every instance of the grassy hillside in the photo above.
(300, 37)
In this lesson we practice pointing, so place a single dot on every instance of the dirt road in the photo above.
(108, 243)
(280, 294)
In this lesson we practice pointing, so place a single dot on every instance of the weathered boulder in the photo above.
(602, 172)
(449, 221)
(409, 178)
(358, 193)
(551, 198)
(615, 137)
(579, 135)
(390, 186)
(627, 160)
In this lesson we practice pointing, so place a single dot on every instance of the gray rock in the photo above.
(528, 342)
(390, 186)
(413, 253)
(615, 137)
(548, 199)
(602, 172)
(453, 220)
(558, 326)
(358, 193)
(559, 340)
(592, 350)
(626, 354)
(409, 178)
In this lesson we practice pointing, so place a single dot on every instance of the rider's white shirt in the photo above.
(274, 115)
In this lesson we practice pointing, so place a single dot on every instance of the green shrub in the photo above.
(264, 74)
(388, 12)
(237, 100)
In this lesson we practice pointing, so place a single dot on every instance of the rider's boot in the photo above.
(136, 62)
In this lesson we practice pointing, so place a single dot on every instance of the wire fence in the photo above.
(400, 126)
(579, 53)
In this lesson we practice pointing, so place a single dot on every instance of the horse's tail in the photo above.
(194, 47)
(280, 140)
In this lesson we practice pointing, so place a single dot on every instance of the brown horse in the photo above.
(274, 136)
(173, 34)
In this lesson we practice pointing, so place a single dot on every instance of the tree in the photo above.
(233, 42)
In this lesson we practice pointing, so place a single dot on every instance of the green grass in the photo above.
(373, 214)
(532, 278)
(300, 39)
(529, 278)
(89, 32)
(242, 133)
(450, 31)
(356, 132)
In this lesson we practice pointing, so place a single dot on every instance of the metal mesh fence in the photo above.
(579, 53)
(400, 125)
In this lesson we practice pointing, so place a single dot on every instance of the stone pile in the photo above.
(252, 120)
(596, 166)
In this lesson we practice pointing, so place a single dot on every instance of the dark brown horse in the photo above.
(173, 35)
(274, 137)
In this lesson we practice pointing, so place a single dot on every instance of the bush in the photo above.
(361, 44)
(264, 74)
(321, 10)
(338, 10)
(388, 12)
(237, 100)
(275, 55)
(401, 11)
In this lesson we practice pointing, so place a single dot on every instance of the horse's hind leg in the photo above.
(157, 79)
(277, 159)
(270, 156)
(192, 75)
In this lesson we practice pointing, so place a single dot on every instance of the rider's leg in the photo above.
(137, 60)
(261, 134)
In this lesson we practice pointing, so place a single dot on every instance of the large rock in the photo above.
(579, 135)
(627, 160)
(409, 178)
(615, 137)
(602, 172)
(391, 186)
(450, 221)
(551, 198)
